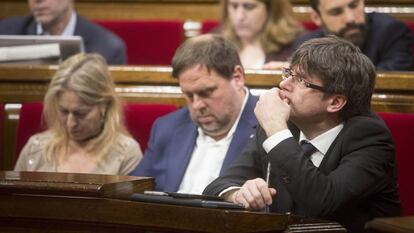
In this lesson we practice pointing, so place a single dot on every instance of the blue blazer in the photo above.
(388, 42)
(95, 38)
(172, 142)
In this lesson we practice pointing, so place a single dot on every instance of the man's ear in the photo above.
(238, 75)
(315, 17)
(337, 102)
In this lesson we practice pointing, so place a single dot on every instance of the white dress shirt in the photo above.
(207, 158)
(321, 142)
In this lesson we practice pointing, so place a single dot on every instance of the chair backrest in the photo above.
(208, 25)
(140, 117)
(30, 123)
(148, 42)
(401, 126)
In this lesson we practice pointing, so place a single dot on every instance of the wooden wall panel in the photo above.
(186, 9)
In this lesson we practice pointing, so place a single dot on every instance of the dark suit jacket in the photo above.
(95, 38)
(388, 43)
(354, 183)
(172, 142)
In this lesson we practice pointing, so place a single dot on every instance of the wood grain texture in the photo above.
(185, 9)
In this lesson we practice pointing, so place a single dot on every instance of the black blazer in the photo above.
(388, 43)
(95, 38)
(355, 182)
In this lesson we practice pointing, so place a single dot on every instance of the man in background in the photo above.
(320, 152)
(385, 40)
(58, 17)
(189, 148)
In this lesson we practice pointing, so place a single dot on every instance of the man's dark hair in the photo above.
(314, 4)
(213, 51)
(342, 68)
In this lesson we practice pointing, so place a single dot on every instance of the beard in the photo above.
(357, 38)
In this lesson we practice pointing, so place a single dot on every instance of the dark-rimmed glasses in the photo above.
(287, 73)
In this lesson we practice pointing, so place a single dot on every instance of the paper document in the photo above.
(29, 52)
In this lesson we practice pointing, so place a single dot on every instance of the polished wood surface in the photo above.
(76, 214)
(391, 225)
(73, 184)
(54, 211)
(187, 9)
(394, 91)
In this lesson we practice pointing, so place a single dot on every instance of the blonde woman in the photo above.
(85, 124)
(262, 30)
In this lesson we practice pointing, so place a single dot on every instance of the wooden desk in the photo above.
(391, 225)
(26, 212)
(73, 184)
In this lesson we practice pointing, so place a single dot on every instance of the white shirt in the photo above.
(321, 142)
(68, 31)
(207, 158)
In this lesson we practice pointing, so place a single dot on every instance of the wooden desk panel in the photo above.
(73, 184)
(391, 225)
(187, 9)
(19, 213)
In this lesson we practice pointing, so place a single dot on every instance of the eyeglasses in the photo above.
(287, 73)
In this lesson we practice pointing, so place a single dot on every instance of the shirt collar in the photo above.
(323, 141)
(233, 128)
(68, 31)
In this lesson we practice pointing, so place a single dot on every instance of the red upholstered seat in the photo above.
(309, 25)
(138, 119)
(30, 122)
(148, 42)
(402, 129)
(208, 25)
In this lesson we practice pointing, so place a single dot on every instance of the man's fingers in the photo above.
(255, 194)
(238, 198)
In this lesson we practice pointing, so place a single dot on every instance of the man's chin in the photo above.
(43, 19)
(210, 129)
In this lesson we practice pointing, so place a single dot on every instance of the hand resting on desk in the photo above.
(254, 194)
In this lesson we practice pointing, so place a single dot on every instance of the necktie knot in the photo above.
(308, 148)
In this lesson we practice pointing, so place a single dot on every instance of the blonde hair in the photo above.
(280, 28)
(88, 76)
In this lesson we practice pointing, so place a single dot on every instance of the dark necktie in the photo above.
(308, 148)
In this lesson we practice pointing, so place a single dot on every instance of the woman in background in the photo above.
(85, 131)
(262, 30)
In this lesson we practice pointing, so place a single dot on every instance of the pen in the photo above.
(267, 210)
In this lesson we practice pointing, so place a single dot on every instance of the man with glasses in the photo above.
(320, 152)
(385, 40)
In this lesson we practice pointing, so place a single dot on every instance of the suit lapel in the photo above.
(333, 156)
(245, 130)
(81, 30)
(31, 27)
(180, 152)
